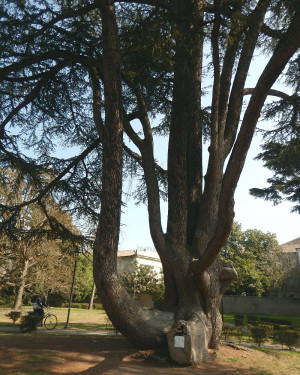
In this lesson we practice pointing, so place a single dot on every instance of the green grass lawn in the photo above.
(79, 318)
(97, 319)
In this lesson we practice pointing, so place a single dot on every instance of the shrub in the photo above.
(260, 333)
(239, 333)
(14, 315)
(275, 322)
(227, 331)
(97, 306)
(144, 279)
(30, 322)
(279, 335)
(291, 338)
(252, 320)
(285, 336)
(238, 320)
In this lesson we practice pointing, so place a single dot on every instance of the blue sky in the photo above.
(251, 213)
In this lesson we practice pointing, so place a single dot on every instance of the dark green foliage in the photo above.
(239, 333)
(256, 258)
(83, 305)
(227, 331)
(290, 338)
(7, 296)
(275, 322)
(252, 320)
(145, 280)
(259, 333)
(56, 299)
(84, 278)
(239, 320)
(30, 322)
(284, 161)
(281, 148)
(286, 336)
(14, 315)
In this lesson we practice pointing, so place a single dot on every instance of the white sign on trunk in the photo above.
(179, 341)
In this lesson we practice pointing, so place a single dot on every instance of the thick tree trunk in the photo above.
(199, 221)
(198, 323)
(20, 287)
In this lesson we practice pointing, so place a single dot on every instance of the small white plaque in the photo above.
(179, 341)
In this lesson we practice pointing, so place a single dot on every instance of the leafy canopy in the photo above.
(257, 257)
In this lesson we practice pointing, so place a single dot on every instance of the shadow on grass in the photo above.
(36, 354)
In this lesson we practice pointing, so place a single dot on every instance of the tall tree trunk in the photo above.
(199, 222)
(91, 303)
(20, 287)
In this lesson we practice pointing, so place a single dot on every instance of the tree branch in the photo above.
(44, 191)
(236, 97)
(156, 3)
(31, 96)
(290, 99)
(97, 101)
(68, 56)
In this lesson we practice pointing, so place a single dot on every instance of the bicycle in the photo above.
(49, 320)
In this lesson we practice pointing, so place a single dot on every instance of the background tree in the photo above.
(34, 259)
(257, 258)
(281, 150)
(282, 158)
(93, 75)
(144, 280)
(84, 278)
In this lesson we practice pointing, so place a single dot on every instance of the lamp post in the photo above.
(77, 252)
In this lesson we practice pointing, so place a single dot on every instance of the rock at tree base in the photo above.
(187, 342)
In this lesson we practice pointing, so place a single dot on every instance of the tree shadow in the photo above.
(92, 355)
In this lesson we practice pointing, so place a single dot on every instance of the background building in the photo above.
(141, 257)
(291, 263)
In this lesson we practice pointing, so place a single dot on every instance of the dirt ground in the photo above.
(39, 354)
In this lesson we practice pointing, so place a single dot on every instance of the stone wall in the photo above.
(261, 305)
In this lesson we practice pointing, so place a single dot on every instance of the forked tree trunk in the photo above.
(192, 294)
(199, 219)
(196, 318)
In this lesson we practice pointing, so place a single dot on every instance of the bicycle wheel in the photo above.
(50, 321)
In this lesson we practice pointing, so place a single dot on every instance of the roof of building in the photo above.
(291, 246)
(126, 253)
(149, 254)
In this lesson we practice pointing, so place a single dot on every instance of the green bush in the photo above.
(227, 332)
(239, 333)
(260, 333)
(83, 305)
(14, 315)
(238, 320)
(291, 338)
(286, 336)
(97, 306)
(145, 280)
(30, 322)
(253, 320)
(276, 322)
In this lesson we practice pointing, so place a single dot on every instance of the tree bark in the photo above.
(92, 297)
(199, 222)
(20, 287)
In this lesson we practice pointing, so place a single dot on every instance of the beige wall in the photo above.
(142, 257)
(261, 305)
